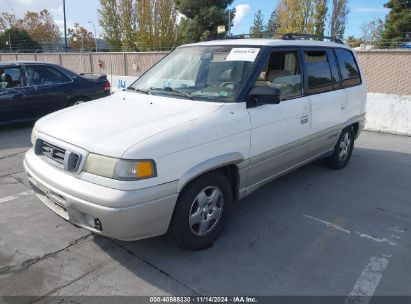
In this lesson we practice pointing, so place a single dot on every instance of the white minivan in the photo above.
(207, 125)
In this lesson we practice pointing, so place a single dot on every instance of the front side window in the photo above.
(318, 71)
(348, 68)
(208, 73)
(11, 77)
(282, 71)
(42, 75)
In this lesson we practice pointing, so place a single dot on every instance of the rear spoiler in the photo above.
(94, 76)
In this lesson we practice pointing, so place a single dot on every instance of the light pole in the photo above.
(229, 22)
(9, 43)
(95, 33)
(65, 26)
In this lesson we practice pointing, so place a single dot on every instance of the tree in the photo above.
(257, 29)
(138, 24)
(20, 40)
(201, 18)
(128, 23)
(157, 28)
(7, 21)
(40, 26)
(338, 19)
(371, 31)
(397, 24)
(81, 38)
(165, 24)
(354, 42)
(145, 25)
(272, 25)
(320, 17)
(301, 16)
(110, 21)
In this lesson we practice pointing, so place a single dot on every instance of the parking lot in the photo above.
(312, 232)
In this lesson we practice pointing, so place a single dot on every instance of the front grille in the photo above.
(57, 156)
(53, 152)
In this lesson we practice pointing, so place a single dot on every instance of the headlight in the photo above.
(33, 135)
(120, 169)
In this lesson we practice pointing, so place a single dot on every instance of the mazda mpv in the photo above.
(207, 125)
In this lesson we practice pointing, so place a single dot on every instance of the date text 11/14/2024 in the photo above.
(203, 299)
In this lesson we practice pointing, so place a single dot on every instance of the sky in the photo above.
(84, 11)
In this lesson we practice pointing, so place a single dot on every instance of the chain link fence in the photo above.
(125, 64)
(386, 71)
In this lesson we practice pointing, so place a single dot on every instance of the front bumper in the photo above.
(143, 213)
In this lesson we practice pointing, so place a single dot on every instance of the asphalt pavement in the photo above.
(313, 232)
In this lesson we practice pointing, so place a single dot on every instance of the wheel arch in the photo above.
(77, 98)
(226, 163)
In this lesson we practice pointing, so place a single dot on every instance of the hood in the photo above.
(111, 125)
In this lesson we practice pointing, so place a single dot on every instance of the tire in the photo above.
(77, 100)
(342, 150)
(201, 212)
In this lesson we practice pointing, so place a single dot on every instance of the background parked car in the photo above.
(30, 90)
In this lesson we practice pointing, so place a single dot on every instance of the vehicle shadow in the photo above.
(269, 248)
(14, 137)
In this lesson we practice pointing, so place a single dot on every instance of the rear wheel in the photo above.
(342, 150)
(201, 212)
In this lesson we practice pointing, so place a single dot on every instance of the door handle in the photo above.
(304, 119)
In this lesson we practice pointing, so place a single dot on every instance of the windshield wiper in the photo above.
(138, 90)
(174, 90)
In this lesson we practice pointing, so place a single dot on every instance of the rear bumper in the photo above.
(144, 212)
(361, 124)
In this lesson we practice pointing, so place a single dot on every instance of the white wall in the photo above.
(120, 82)
(387, 113)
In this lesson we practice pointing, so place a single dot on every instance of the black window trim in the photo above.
(47, 66)
(334, 55)
(356, 63)
(267, 50)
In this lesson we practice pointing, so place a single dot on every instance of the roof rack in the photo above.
(298, 36)
(241, 36)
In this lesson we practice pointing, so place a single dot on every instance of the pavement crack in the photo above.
(11, 155)
(28, 263)
(9, 174)
(196, 292)
(69, 283)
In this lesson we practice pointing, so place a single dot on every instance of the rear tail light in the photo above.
(107, 86)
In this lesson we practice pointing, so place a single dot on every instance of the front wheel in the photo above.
(201, 212)
(342, 150)
(77, 100)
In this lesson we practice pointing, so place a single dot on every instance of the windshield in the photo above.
(212, 73)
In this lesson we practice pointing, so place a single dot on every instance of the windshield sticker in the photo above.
(243, 54)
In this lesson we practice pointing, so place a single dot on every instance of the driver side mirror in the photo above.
(265, 95)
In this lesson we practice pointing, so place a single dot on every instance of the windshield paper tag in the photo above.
(243, 54)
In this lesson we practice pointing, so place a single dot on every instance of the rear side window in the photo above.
(318, 72)
(43, 75)
(348, 68)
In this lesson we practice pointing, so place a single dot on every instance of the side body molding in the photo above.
(209, 165)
